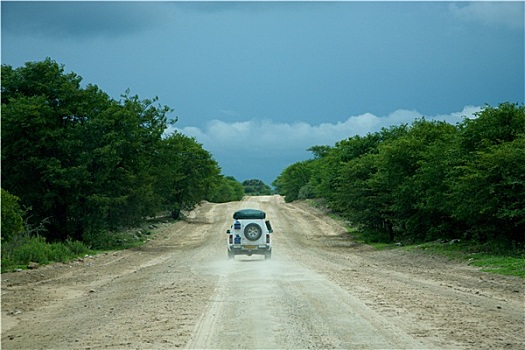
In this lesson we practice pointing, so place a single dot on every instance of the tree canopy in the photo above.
(426, 180)
(255, 187)
(87, 162)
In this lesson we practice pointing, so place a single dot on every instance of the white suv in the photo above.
(250, 234)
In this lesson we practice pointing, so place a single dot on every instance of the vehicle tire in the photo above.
(231, 254)
(268, 255)
(252, 232)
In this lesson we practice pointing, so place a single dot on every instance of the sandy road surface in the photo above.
(320, 290)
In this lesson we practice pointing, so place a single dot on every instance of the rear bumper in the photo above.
(239, 249)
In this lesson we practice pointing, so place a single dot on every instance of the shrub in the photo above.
(12, 223)
(24, 248)
(108, 240)
(76, 247)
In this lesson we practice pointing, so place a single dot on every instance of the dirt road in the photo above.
(319, 290)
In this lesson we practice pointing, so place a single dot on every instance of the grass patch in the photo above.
(375, 239)
(27, 248)
(491, 258)
(456, 251)
(512, 266)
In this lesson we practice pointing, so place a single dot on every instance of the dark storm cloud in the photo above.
(79, 20)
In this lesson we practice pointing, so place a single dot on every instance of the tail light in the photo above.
(231, 239)
(268, 239)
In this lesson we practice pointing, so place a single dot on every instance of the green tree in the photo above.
(399, 173)
(492, 189)
(186, 173)
(492, 126)
(432, 183)
(119, 146)
(42, 110)
(227, 189)
(12, 216)
(73, 154)
(349, 185)
(487, 184)
(255, 187)
(292, 179)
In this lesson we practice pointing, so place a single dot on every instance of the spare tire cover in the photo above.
(252, 232)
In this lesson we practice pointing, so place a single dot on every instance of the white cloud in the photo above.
(453, 118)
(254, 142)
(494, 13)
(267, 135)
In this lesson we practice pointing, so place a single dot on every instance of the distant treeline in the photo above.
(77, 162)
(425, 181)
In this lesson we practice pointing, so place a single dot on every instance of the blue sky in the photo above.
(257, 83)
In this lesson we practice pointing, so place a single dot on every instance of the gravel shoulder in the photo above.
(319, 290)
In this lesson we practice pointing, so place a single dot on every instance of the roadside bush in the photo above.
(76, 247)
(226, 189)
(255, 187)
(31, 249)
(108, 240)
(306, 192)
(12, 222)
(23, 249)
(58, 252)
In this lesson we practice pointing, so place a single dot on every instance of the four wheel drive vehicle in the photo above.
(250, 234)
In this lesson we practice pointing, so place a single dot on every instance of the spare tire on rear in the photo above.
(252, 232)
